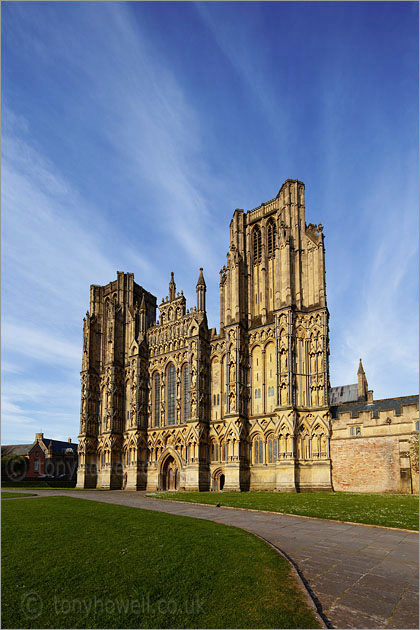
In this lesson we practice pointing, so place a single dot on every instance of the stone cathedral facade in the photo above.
(170, 404)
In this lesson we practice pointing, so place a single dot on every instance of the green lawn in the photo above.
(391, 510)
(73, 563)
(25, 484)
(44, 486)
(12, 495)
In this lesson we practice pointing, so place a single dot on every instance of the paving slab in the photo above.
(359, 577)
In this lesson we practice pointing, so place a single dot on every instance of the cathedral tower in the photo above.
(273, 306)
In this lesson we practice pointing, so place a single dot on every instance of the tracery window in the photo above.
(271, 238)
(258, 451)
(156, 399)
(215, 454)
(185, 392)
(170, 387)
(273, 445)
(224, 452)
(257, 244)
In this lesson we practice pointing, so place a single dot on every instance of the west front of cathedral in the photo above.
(169, 404)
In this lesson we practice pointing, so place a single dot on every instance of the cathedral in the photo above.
(168, 403)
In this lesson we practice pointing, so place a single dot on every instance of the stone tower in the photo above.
(114, 383)
(274, 319)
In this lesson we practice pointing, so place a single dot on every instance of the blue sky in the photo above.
(131, 132)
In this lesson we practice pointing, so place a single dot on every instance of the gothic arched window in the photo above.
(215, 454)
(185, 392)
(224, 452)
(257, 244)
(258, 451)
(170, 388)
(272, 450)
(271, 238)
(156, 399)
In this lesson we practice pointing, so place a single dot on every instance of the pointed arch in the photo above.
(215, 387)
(156, 399)
(271, 238)
(170, 393)
(256, 243)
(185, 386)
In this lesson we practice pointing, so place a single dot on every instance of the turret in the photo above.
(172, 287)
(201, 292)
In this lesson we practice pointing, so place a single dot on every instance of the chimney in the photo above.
(69, 440)
(39, 437)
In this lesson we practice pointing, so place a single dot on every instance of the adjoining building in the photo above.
(370, 440)
(43, 457)
(173, 405)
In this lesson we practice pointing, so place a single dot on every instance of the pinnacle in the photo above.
(172, 287)
(200, 281)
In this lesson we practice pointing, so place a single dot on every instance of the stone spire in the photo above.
(172, 287)
(362, 384)
(201, 292)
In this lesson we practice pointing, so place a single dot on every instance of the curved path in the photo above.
(359, 577)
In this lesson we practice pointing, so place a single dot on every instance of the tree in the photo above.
(414, 451)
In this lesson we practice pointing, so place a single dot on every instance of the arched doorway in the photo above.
(170, 474)
(218, 481)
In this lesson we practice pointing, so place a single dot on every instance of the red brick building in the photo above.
(45, 457)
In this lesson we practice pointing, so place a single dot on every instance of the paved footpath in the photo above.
(359, 577)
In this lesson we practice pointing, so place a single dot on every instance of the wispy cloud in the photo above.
(124, 152)
(35, 343)
(379, 318)
(51, 255)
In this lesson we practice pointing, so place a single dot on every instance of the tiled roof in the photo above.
(343, 394)
(16, 449)
(60, 447)
(386, 404)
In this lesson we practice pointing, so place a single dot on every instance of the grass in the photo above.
(73, 563)
(36, 485)
(390, 510)
(12, 495)
(25, 484)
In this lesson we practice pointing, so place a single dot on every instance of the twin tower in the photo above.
(173, 405)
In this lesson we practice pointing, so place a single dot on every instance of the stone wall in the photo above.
(370, 446)
(366, 464)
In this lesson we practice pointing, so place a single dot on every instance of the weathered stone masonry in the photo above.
(172, 404)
